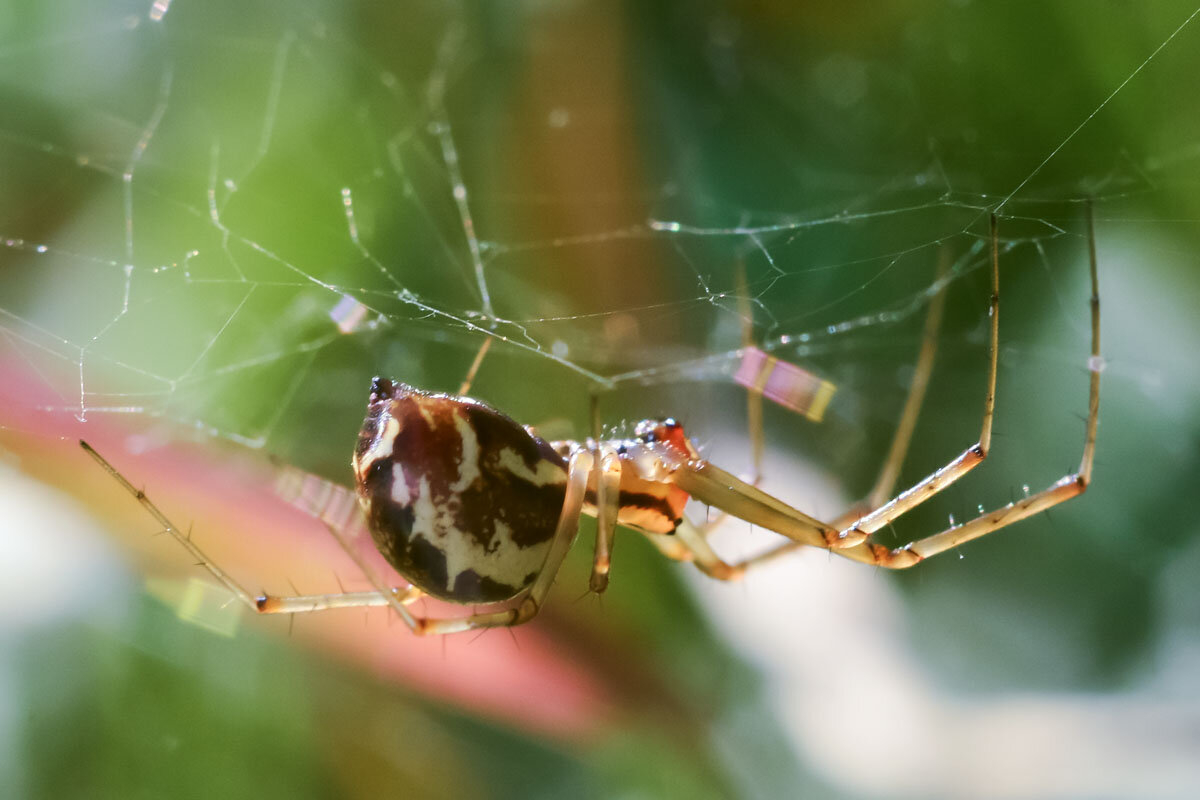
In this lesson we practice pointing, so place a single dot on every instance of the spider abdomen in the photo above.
(460, 499)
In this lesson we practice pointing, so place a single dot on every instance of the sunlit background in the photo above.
(219, 220)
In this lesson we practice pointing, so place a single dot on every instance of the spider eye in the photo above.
(647, 430)
(381, 387)
(659, 430)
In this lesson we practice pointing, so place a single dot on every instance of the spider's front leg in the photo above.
(1065, 488)
(853, 543)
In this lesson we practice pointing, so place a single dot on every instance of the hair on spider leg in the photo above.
(1081, 417)
(1050, 518)
(478, 634)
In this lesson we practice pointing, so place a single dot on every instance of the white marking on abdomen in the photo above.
(380, 448)
(400, 493)
(547, 472)
(468, 462)
(426, 413)
(508, 564)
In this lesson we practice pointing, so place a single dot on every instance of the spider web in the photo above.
(226, 219)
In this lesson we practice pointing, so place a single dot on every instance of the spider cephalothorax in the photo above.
(667, 432)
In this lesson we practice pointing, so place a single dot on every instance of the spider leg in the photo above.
(184, 539)
(389, 598)
(322, 499)
(903, 557)
(465, 386)
(689, 544)
(579, 468)
(1070, 485)
(670, 546)
(713, 522)
(710, 484)
(969, 459)
(265, 604)
(854, 527)
(885, 483)
(608, 495)
(754, 400)
(700, 553)
(304, 603)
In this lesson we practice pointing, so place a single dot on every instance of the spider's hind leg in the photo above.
(265, 604)
(694, 541)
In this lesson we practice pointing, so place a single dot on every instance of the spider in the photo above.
(472, 507)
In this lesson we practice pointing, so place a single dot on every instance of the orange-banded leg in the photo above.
(886, 481)
(1070, 485)
(853, 529)
(1064, 489)
(528, 602)
(971, 457)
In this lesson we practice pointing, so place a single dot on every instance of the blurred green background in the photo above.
(219, 220)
